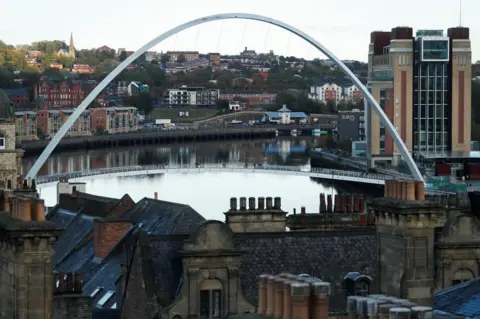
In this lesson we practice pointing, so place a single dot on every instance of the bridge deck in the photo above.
(331, 174)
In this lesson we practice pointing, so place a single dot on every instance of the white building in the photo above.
(326, 92)
(234, 106)
(191, 96)
(351, 93)
(334, 92)
(189, 55)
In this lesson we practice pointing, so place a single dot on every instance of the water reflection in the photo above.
(281, 151)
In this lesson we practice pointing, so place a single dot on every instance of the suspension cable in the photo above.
(220, 36)
(266, 38)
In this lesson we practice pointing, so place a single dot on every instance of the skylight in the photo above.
(114, 306)
(105, 298)
(95, 292)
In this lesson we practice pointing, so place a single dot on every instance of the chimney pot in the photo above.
(29, 182)
(303, 210)
(410, 190)
(243, 203)
(419, 191)
(155, 196)
(261, 203)
(386, 189)
(251, 203)
(26, 212)
(38, 211)
(278, 203)
(69, 287)
(269, 203)
(294, 211)
(233, 203)
(78, 282)
(74, 190)
(34, 185)
(61, 282)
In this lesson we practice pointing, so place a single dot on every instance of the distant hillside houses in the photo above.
(332, 92)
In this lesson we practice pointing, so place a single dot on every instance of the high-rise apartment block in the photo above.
(423, 84)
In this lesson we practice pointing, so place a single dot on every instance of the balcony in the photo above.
(382, 76)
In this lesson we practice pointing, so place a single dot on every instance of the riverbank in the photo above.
(147, 137)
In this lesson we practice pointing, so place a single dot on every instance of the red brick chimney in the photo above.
(106, 234)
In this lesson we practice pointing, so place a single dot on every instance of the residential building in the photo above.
(423, 84)
(351, 94)
(235, 106)
(18, 96)
(191, 96)
(253, 97)
(66, 93)
(351, 125)
(26, 126)
(48, 123)
(328, 92)
(82, 69)
(81, 127)
(284, 116)
(189, 55)
(111, 120)
(56, 66)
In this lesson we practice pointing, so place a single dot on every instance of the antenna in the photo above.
(460, 13)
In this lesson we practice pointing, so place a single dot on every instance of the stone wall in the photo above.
(327, 255)
(72, 307)
(391, 262)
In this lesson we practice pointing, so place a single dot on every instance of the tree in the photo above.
(165, 58)
(142, 101)
(181, 58)
(122, 56)
(223, 105)
(53, 73)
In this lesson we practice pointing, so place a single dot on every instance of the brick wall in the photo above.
(106, 234)
(126, 202)
(328, 255)
(72, 307)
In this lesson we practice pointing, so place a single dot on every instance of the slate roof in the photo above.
(156, 217)
(462, 299)
(89, 204)
(75, 248)
(105, 314)
(74, 234)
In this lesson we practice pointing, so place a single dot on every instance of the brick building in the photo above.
(120, 119)
(26, 126)
(253, 97)
(66, 93)
(18, 96)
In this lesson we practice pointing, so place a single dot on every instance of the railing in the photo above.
(150, 169)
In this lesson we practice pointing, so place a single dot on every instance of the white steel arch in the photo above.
(224, 16)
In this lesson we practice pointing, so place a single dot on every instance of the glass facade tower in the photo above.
(431, 96)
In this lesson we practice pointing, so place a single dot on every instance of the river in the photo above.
(208, 193)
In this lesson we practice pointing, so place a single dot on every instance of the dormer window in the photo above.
(357, 284)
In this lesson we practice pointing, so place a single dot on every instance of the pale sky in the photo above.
(343, 26)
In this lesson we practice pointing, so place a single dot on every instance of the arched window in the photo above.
(461, 275)
(357, 284)
(211, 298)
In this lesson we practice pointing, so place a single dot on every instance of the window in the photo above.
(105, 298)
(95, 292)
(362, 288)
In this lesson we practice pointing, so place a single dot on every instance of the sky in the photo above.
(342, 26)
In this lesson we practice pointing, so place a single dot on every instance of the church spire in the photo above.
(71, 47)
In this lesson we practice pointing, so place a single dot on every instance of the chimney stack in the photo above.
(243, 203)
(269, 203)
(261, 203)
(233, 203)
(155, 195)
(277, 203)
(251, 203)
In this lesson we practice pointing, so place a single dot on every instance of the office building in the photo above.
(191, 96)
(423, 84)
(351, 125)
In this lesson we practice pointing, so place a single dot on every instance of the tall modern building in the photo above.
(423, 84)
